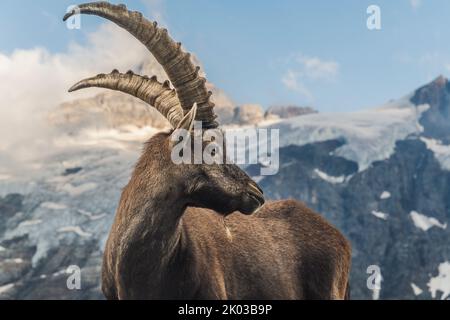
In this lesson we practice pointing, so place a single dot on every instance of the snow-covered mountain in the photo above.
(380, 175)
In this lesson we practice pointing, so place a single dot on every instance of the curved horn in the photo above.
(149, 90)
(181, 71)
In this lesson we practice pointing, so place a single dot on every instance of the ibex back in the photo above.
(204, 231)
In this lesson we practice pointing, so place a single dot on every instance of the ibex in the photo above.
(168, 239)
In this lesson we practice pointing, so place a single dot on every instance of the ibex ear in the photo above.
(181, 134)
(187, 123)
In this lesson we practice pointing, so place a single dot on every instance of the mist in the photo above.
(36, 81)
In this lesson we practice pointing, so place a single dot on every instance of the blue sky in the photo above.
(318, 53)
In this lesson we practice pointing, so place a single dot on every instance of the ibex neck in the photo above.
(155, 229)
(148, 231)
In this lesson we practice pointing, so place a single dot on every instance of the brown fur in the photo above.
(177, 235)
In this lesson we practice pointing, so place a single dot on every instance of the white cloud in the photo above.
(306, 69)
(315, 68)
(291, 80)
(35, 81)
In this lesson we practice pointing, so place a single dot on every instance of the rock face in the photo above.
(115, 110)
(436, 120)
(9, 206)
(254, 114)
(392, 203)
(109, 110)
(414, 181)
(224, 106)
(248, 114)
(63, 221)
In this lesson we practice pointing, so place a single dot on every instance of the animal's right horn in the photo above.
(183, 74)
(150, 90)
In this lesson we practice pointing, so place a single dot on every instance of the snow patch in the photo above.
(5, 288)
(2, 249)
(102, 164)
(370, 135)
(441, 152)
(385, 195)
(113, 138)
(380, 215)
(328, 178)
(90, 215)
(75, 191)
(16, 260)
(75, 229)
(58, 273)
(53, 206)
(441, 282)
(417, 291)
(29, 223)
(424, 222)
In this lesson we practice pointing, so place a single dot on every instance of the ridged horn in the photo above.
(183, 74)
(149, 90)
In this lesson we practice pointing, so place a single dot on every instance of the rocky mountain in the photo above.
(114, 110)
(436, 120)
(382, 176)
(106, 110)
(392, 202)
(395, 213)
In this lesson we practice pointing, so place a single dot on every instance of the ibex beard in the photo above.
(168, 240)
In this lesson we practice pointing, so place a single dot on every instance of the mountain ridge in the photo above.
(378, 175)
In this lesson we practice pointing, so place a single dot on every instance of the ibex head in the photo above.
(224, 188)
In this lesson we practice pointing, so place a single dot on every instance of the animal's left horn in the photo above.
(150, 90)
(184, 75)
